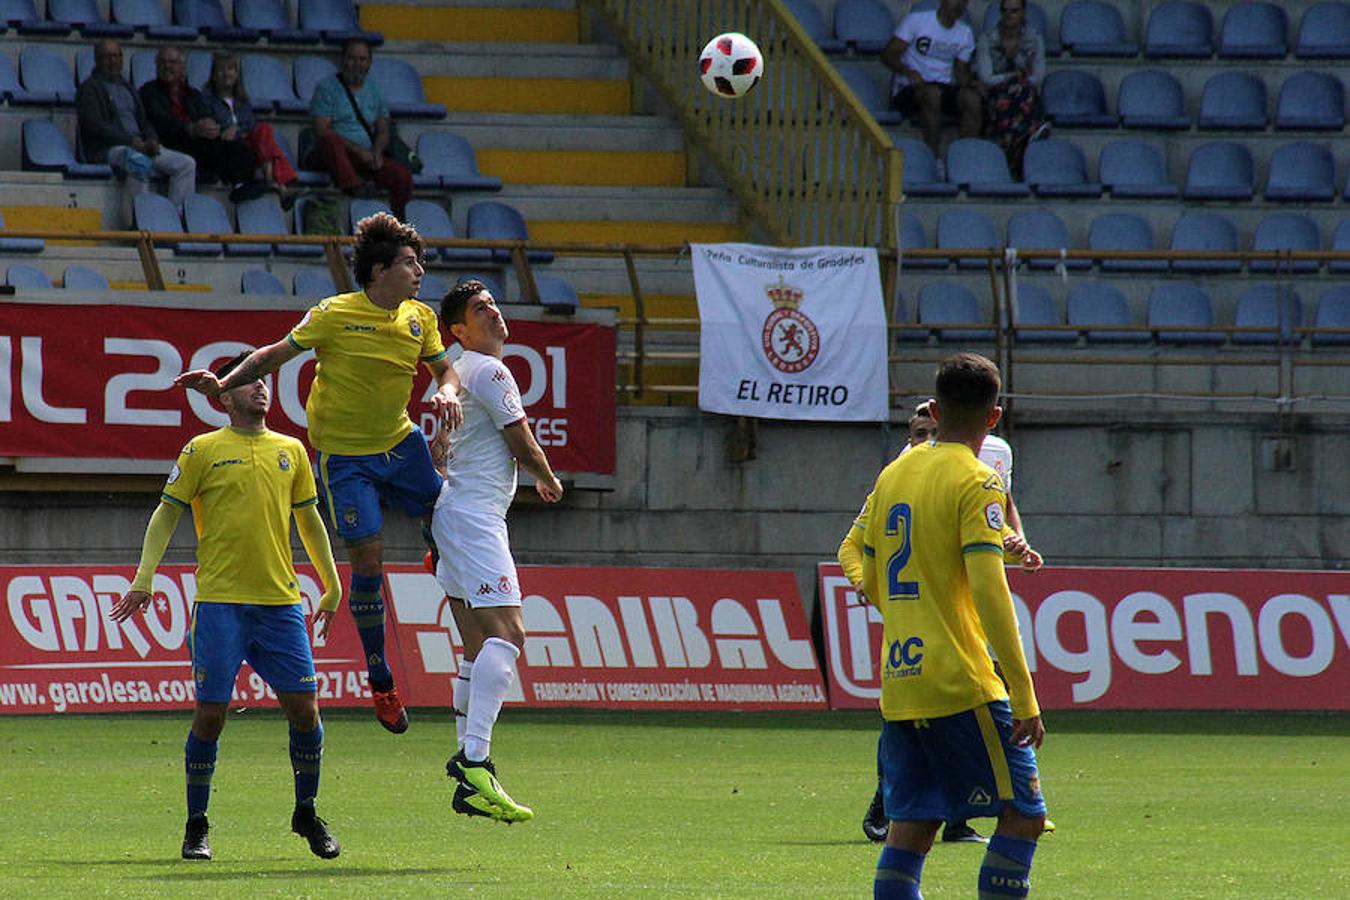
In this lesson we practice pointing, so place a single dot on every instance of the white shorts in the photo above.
(476, 564)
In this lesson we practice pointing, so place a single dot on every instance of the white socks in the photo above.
(492, 674)
(460, 698)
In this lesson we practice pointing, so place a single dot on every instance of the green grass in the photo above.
(1173, 806)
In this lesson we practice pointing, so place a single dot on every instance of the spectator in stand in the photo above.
(114, 129)
(1010, 63)
(352, 131)
(225, 103)
(930, 55)
(171, 103)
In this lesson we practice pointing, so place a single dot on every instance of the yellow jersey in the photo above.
(932, 512)
(367, 357)
(242, 487)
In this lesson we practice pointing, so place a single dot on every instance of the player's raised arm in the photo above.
(258, 364)
(157, 533)
(520, 441)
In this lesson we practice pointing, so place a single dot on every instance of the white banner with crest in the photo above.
(791, 333)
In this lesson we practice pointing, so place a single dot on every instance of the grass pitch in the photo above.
(1173, 806)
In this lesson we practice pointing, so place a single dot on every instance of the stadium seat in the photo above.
(361, 208)
(1200, 230)
(1324, 32)
(309, 71)
(966, 229)
(1075, 97)
(1179, 29)
(433, 288)
(203, 214)
(864, 25)
(1136, 169)
(1152, 98)
(1184, 304)
(198, 68)
(313, 283)
(83, 278)
(84, 15)
(1091, 304)
(22, 15)
(142, 64)
(432, 221)
(46, 149)
(980, 167)
(1254, 31)
(920, 170)
(555, 294)
(1286, 231)
(1301, 171)
(26, 277)
(43, 72)
(913, 236)
(1340, 241)
(1333, 311)
(490, 220)
(209, 19)
(268, 84)
(492, 284)
(260, 281)
(14, 92)
(148, 17)
(449, 162)
(1124, 231)
(1220, 170)
(1056, 168)
(1275, 309)
(264, 216)
(1035, 19)
(304, 177)
(19, 245)
(336, 20)
(812, 20)
(151, 212)
(1042, 230)
(1233, 100)
(950, 302)
(1311, 100)
(871, 94)
(270, 18)
(402, 87)
(1093, 28)
(1035, 306)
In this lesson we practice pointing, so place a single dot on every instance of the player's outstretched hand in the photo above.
(446, 405)
(131, 603)
(551, 489)
(322, 620)
(1028, 732)
(200, 380)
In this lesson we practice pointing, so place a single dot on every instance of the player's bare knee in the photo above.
(208, 721)
(366, 555)
(301, 709)
(1015, 824)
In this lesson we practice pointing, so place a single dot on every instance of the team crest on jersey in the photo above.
(350, 517)
(790, 340)
(415, 327)
(993, 514)
(174, 473)
(283, 461)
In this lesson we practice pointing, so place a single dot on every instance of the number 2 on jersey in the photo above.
(900, 517)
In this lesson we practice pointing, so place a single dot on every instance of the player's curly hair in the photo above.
(379, 237)
(457, 301)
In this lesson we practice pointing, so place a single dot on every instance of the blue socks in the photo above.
(367, 608)
(306, 752)
(898, 874)
(199, 761)
(1006, 871)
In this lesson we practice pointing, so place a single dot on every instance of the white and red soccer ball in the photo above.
(730, 65)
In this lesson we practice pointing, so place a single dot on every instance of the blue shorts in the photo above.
(353, 485)
(273, 639)
(958, 767)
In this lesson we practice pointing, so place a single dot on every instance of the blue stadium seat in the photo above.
(198, 68)
(864, 25)
(148, 17)
(261, 282)
(1056, 168)
(1075, 97)
(920, 170)
(490, 220)
(314, 283)
(871, 94)
(309, 71)
(1152, 98)
(151, 212)
(1301, 171)
(85, 16)
(1035, 306)
(980, 167)
(336, 20)
(1277, 310)
(966, 229)
(1311, 100)
(492, 284)
(1286, 231)
(83, 278)
(1333, 311)
(1340, 240)
(402, 87)
(812, 20)
(1324, 32)
(449, 162)
(304, 177)
(1124, 231)
(952, 303)
(913, 236)
(203, 214)
(1220, 170)
(555, 294)
(26, 277)
(14, 92)
(1134, 168)
(361, 208)
(1093, 28)
(1035, 19)
(1041, 229)
(19, 245)
(269, 17)
(264, 216)
(46, 149)
(1179, 29)
(1184, 304)
(208, 18)
(433, 288)
(142, 64)
(43, 72)
(268, 84)
(432, 221)
(1091, 304)
(1201, 230)
(1233, 100)
(22, 15)
(1254, 31)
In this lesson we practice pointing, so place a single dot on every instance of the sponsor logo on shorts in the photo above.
(374, 659)
(979, 797)
(308, 679)
(484, 589)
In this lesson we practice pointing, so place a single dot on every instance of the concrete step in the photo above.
(526, 94)
(486, 24)
(589, 167)
(693, 204)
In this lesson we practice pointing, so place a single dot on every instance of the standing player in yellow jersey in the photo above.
(368, 345)
(243, 483)
(953, 744)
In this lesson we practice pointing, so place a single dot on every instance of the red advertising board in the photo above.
(598, 637)
(1142, 638)
(96, 381)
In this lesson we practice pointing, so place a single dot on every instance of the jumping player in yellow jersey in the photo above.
(956, 743)
(244, 483)
(368, 345)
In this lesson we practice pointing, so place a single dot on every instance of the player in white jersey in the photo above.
(469, 524)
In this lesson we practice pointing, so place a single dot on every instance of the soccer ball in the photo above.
(730, 65)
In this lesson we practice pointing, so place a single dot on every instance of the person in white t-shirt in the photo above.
(475, 568)
(930, 54)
